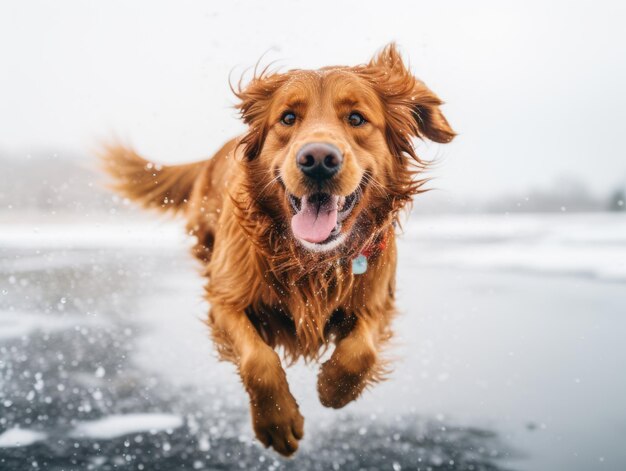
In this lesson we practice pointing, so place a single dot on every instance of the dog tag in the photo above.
(359, 264)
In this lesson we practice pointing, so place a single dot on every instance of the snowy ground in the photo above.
(510, 354)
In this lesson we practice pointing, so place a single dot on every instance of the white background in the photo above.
(535, 89)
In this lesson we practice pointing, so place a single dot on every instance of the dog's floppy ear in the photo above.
(412, 109)
(255, 99)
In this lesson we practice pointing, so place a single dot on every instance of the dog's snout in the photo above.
(319, 160)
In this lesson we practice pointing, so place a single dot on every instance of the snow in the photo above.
(19, 324)
(584, 244)
(590, 245)
(81, 235)
(119, 425)
(16, 437)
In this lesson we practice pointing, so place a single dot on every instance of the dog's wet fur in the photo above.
(277, 240)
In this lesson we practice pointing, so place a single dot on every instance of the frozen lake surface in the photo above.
(510, 354)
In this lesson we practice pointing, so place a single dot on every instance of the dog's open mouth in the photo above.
(318, 217)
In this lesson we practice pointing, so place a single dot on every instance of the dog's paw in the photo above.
(278, 423)
(337, 387)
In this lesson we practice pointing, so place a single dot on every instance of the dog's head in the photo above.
(331, 150)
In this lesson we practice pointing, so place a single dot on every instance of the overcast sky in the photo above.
(535, 89)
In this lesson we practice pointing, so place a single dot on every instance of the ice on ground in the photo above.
(16, 436)
(607, 263)
(119, 425)
(486, 345)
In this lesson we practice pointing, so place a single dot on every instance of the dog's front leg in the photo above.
(275, 416)
(353, 365)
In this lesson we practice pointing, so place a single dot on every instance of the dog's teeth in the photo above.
(295, 202)
(341, 202)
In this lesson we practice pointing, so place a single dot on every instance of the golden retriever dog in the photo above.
(295, 226)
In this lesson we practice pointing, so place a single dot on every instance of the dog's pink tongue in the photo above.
(314, 222)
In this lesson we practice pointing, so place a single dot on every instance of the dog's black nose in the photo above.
(319, 160)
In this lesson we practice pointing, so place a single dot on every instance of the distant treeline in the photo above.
(57, 182)
(566, 194)
(49, 182)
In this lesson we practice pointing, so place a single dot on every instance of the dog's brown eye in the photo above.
(288, 118)
(356, 120)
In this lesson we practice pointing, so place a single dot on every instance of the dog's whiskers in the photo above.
(268, 184)
(369, 179)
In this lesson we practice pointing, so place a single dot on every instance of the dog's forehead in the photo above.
(340, 84)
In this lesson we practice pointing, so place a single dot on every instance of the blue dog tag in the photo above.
(359, 264)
